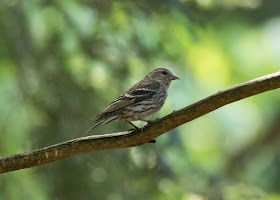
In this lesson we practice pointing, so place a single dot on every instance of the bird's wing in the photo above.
(139, 92)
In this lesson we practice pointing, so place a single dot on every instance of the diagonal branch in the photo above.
(136, 138)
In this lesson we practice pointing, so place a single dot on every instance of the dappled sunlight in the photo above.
(99, 76)
(209, 64)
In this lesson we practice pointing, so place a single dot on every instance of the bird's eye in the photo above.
(164, 72)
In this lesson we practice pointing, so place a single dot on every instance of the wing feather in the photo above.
(139, 92)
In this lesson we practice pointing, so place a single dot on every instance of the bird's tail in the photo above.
(97, 123)
(102, 120)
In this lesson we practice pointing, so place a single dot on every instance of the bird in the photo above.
(140, 101)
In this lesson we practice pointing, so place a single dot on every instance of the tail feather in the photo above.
(93, 126)
(101, 121)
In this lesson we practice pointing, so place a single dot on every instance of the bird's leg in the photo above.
(132, 124)
(148, 121)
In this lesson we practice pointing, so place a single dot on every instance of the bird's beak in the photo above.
(173, 77)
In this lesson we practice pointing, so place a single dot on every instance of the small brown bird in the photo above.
(142, 100)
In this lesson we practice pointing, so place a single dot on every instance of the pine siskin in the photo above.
(142, 100)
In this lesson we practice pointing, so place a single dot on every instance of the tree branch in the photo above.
(136, 138)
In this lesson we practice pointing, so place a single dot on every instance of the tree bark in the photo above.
(139, 137)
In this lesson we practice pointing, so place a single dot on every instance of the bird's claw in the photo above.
(151, 121)
(152, 141)
(134, 129)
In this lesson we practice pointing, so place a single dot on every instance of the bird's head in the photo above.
(162, 75)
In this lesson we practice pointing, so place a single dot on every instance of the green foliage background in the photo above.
(62, 62)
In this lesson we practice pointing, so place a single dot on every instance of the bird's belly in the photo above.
(142, 109)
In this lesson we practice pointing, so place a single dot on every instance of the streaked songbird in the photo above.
(140, 101)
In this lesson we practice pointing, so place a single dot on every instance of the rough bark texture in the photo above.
(135, 138)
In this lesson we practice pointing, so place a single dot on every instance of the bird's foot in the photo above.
(135, 128)
(150, 121)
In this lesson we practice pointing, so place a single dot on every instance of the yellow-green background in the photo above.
(62, 62)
